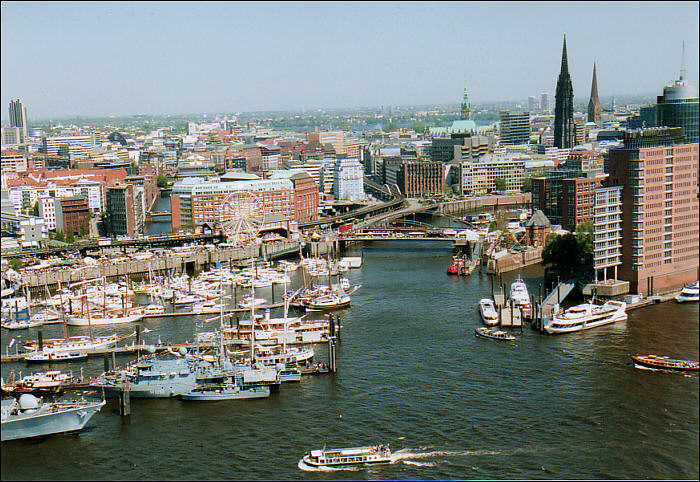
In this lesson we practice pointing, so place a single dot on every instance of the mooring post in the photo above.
(106, 362)
(124, 402)
(41, 341)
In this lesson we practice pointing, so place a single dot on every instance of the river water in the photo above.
(412, 374)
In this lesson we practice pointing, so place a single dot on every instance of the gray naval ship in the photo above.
(32, 417)
(157, 377)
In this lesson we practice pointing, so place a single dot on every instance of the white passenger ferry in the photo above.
(587, 315)
(355, 456)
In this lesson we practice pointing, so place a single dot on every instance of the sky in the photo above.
(64, 59)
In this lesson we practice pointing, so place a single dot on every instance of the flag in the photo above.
(12, 342)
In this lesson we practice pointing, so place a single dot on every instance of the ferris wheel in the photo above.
(240, 216)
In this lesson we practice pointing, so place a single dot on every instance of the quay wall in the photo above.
(474, 204)
(514, 261)
(201, 258)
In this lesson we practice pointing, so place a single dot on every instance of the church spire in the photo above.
(564, 133)
(594, 108)
(465, 112)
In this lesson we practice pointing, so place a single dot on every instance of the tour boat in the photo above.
(484, 332)
(55, 357)
(355, 456)
(520, 295)
(39, 381)
(690, 293)
(489, 315)
(587, 315)
(664, 362)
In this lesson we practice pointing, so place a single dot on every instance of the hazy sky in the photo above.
(67, 59)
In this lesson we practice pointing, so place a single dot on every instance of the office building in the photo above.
(306, 194)
(120, 209)
(531, 105)
(18, 117)
(74, 147)
(564, 130)
(478, 177)
(544, 101)
(72, 215)
(658, 173)
(514, 128)
(678, 107)
(348, 182)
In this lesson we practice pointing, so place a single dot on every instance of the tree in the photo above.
(35, 210)
(561, 251)
(70, 238)
(527, 184)
(84, 231)
(447, 190)
(15, 264)
(60, 236)
(493, 226)
(162, 181)
(418, 126)
(584, 236)
(500, 184)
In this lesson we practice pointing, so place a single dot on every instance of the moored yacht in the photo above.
(488, 312)
(689, 293)
(520, 296)
(587, 315)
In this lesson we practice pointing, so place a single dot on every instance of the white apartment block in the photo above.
(76, 147)
(348, 183)
(607, 230)
(477, 177)
(13, 162)
(23, 198)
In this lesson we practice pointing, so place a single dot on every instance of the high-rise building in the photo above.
(531, 104)
(18, 116)
(607, 230)
(348, 180)
(120, 208)
(465, 111)
(544, 101)
(514, 127)
(594, 108)
(658, 172)
(678, 107)
(564, 133)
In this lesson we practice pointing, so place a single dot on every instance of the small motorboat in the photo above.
(355, 456)
(249, 302)
(689, 293)
(484, 332)
(489, 315)
(664, 362)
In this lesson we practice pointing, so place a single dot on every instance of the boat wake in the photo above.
(407, 455)
(419, 464)
(309, 468)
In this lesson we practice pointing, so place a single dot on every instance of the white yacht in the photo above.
(587, 315)
(689, 293)
(520, 295)
(489, 315)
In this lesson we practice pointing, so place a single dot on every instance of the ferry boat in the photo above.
(488, 312)
(484, 332)
(32, 417)
(587, 315)
(355, 456)
(520, 295)
(55, 357)
(664, 362)
(689, 293)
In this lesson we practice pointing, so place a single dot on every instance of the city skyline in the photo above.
(124, 59)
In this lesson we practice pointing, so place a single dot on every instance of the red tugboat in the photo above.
(457, 265)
